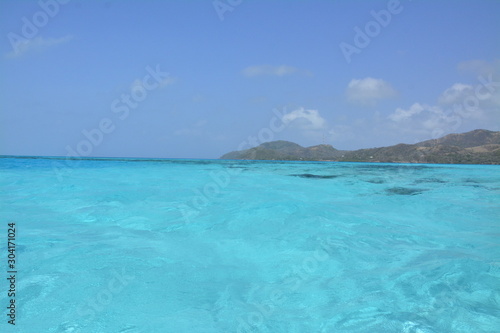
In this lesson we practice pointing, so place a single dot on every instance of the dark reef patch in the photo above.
(392, 167)
(376, 181)
(309, 175)
(472, 180)
(404, 191)
(430, 180)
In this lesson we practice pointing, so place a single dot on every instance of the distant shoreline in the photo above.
(481, 147)
(216, 161)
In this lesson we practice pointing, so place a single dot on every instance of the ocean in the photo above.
(151, 245)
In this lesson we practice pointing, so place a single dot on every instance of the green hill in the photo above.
(475, 147)
(285, 150)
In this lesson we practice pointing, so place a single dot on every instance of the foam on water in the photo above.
(236, 246)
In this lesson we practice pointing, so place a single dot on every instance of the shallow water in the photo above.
(244, 246)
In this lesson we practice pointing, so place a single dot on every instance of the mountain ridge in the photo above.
(475, 147)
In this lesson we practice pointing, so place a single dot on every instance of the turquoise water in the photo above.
(234, 246)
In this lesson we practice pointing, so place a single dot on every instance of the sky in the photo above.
(197, 79)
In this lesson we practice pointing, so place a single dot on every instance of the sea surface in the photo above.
(129, 246)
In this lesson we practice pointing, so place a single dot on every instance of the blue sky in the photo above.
(197, 79)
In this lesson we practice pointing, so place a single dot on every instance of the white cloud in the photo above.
(422, 120)
(403, 115)
(270, 70)
(459, 106)
(425, 115)
(369, 91)
(425, 120)
(487, 88)
(462, 106)
(306, 120)
(456, 94)
(36, 44)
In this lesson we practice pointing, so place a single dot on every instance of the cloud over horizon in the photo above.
(456, 93)
(369, 91)
(460, 104)
(306, 123)
(305, 120)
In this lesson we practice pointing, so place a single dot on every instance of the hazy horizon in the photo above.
(194, 157)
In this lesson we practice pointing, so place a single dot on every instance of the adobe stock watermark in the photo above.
(223, 6)
(222, 179)
(483, 91)
(31, 26)
(296, 277)
(363, 37)
(97, 303)
(120, 108)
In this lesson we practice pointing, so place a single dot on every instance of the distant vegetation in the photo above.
(475, 147)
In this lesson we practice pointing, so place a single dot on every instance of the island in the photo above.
(475, 147)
